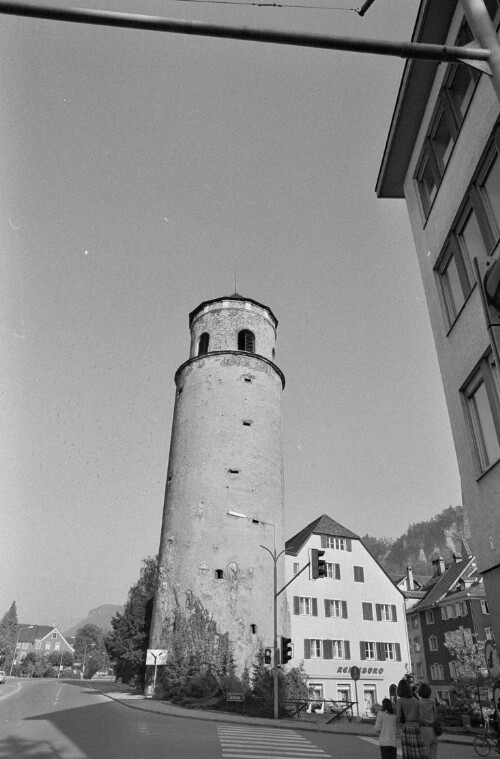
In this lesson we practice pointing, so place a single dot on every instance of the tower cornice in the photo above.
(206, 356)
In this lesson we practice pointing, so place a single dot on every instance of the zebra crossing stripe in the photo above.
(254, 743)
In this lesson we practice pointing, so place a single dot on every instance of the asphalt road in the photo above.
(50, 719)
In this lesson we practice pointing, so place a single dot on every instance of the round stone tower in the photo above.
(225, 456)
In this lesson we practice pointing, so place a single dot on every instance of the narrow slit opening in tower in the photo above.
(253, 628)
(219, 574)
(247, 422)
(234, 471)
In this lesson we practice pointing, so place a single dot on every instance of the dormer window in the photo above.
(203, 343)
(246, 341)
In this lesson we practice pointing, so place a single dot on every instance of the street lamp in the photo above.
(275, 558)
(22, 629)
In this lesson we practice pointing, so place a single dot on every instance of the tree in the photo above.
(8, 637)
(471, 674)
(127, 642)
(60, 659)
(200, 661)
(90, 651)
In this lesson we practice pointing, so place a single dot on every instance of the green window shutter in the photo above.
(323, 541)
(344, 609)
(314, 607)
(379, 612)
(347, 650)
(362, 650)
(307, 648)
(337, 571)
(367, 611)
(328, 608)
(348, 543)
(394, 613)
(398, 651)
(296, 605)
(327, 649)
(380, 651)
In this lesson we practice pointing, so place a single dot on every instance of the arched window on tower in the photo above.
(203, 343)
(246, 341)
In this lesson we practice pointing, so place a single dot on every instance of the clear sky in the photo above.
(138, 169)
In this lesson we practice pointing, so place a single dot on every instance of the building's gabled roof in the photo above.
(438, 587)
(31, 633)
(234, 296)
(324, 525)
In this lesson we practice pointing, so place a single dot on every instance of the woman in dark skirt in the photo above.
(412, 745)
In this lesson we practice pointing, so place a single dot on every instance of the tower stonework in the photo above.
(225, 456)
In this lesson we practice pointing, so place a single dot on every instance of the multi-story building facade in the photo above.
(443, 157)
(353, 616)
(42, 639)
(455, 605)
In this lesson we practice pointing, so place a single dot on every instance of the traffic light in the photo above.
(318, 565)
(267, 656)
(492, 281)
(286, 650)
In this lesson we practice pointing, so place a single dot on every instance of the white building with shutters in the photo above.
(355, 616)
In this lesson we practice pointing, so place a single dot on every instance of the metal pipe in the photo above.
(485, 33)
(361, 11)
(182, 26)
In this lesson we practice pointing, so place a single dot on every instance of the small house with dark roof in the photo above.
(42, 639)
(352, 617)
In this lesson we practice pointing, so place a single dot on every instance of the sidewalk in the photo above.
(136, 700)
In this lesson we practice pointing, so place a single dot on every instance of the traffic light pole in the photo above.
(275, 558)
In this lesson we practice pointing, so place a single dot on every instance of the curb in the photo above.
(258, 722)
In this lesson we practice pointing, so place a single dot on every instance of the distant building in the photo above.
(42, 639)
(443, 157)
(354, 616)
(454, 604)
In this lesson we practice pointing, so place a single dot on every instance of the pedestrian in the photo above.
(385, 727)
(427, 713)
(412, 745)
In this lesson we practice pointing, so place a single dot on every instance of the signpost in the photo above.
(355, 673)
(157, 657)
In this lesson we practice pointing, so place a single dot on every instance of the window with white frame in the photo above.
(490, 635)
(461, 608)
(449, 113)
(386, 612)
(47, 646)
(433, 643)
(305, 605)
(38, 644)
(484, 607)
(338, 649)
(335, 608)
(369, 649)
(437, 672)
(332, 570)
(414, 622)
(315, 648)
(57, 646)
(390, 651)
(339, 544)
(54, 635)
(420, 670)
(25, 644)
(429, 617)
(482, 406)
(418, 645)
